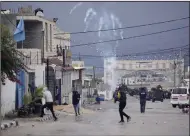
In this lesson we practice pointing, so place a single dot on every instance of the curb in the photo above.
(5, 126)
(49, 117)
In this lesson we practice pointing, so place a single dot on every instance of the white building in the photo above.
(41, 42)
(140, 68)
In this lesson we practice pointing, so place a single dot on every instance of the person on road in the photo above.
(122, 103)
(142, 96)
(48, 102)
(115, 96)
(76, 99)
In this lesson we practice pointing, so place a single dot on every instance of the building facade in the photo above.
(144, 72)
(42, 41)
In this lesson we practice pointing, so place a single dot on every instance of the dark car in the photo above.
(149, 96)
(167, 95)
(157, 95)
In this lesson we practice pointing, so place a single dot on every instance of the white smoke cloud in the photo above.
(104, 20)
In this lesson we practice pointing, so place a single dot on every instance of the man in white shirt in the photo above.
(49, 102)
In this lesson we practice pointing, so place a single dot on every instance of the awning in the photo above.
(68, 68)
(79, 68)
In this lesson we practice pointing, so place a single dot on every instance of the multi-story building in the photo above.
(137, 72)
(43, 39)
(41, 33)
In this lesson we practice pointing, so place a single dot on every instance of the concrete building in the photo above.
(42, 42)
(41, 33)
(137, 72)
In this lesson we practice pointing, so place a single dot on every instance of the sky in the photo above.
(104, 15)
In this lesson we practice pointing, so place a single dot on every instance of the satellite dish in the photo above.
(40, 14)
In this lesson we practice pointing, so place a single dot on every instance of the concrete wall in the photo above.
(66, 87)
(39, 74)
(33, 32)
(75, 75)
(33, 54)
(8, 92)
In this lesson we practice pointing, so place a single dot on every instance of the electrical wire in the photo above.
(184, 47)
(128, 27)
(126, 38)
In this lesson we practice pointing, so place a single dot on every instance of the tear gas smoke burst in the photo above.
(105, 20)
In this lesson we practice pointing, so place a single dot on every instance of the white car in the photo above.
(174, 97)
(183, 98)
(180, 96)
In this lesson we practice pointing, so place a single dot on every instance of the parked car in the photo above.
(157, 95)
(167, 94)
(174, 97)
(102, 97)
(149, 96)
(183, 98)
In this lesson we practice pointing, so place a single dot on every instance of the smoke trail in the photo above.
(76, 6)
(89, 16)
(120, 25)
(100, 26)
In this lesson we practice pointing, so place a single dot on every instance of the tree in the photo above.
(11, 58)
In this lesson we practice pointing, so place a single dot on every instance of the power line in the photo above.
(137, 36)
(128, 27)
(120, 28)
(141, 53)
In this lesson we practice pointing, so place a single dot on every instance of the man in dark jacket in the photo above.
(142, 96)
(122, 104)
(76, 99)
(115, 96)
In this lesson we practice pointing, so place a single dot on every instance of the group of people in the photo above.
(120, 95)
(49, 102)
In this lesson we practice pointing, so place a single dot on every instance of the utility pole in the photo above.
(94, 73)
(174, 73)
(184, 66)
(42, 48)
(47, 73)
(94, 76)
(79, 57)
(63, 55)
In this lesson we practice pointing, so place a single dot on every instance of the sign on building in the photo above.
(78, 64)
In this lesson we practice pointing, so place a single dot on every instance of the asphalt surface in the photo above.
(160, 119)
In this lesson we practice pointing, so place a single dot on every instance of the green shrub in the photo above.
(39, 92)
(27, 98)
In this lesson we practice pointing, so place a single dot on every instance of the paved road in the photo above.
(159, 119)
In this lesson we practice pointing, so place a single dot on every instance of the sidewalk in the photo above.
(70, 110)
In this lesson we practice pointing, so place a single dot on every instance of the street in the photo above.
(160, 119)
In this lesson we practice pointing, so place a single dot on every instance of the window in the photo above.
(130, 66)
(164, 65)
(149, 65)
(157, 66)
(108, 63)
(171, 66)
(180, 91)
(123, 66)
